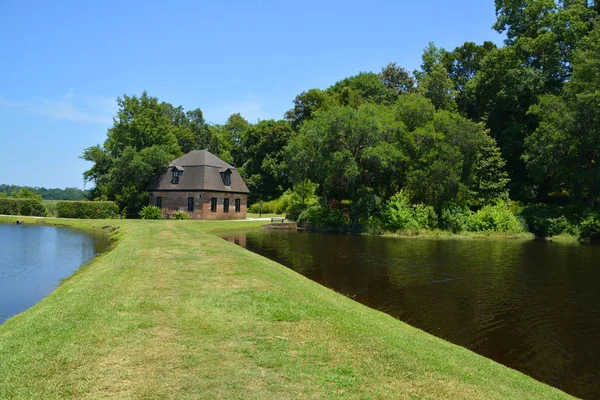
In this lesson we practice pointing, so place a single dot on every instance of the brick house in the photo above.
(202, 185)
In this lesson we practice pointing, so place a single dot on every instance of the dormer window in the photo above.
(176, 175)
(227, 178)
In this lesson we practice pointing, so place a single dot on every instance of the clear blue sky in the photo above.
(65, 62)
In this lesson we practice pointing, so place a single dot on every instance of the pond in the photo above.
(531, 305)
(34, 259)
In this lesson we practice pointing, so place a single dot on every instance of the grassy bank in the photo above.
(440, 234)
(447, 235)
(175, 312)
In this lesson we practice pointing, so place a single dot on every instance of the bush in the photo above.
(28, 207)
(544, 220)
(294, 210)
(559, 225)
(324, 217)
(425, 216)
(590, 229)
(291, 202)
(496, 218)
(456, 218)
(180, 215)
(87, 209)
(151, 212)
(399, 214)
(269, 207)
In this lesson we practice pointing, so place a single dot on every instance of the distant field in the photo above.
(51, 206)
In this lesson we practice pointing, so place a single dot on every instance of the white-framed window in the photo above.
(176, 175)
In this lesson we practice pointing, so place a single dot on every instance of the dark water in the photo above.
(531, 305)
(33, 260)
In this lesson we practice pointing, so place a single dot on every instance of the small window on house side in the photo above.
(159, 202)
(190, 204)
(176, 175)
(213, 204)
(225, 205)
(238, 205)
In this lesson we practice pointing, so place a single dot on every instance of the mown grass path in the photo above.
(174, 312)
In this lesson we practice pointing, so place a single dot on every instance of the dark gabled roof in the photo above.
(201, 171)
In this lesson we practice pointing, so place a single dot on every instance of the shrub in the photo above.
(590, 229)
(400, 214)
(269, 207)
(291, 202)
(151, 212)
(283, 203)
(559, 225)
(299, 199)
(496, 218)
(544, 220)
(456, 218)
(294, 210)
(30, 207)
(324, 217)
(87, 209)
(180, 215)
(425, 216)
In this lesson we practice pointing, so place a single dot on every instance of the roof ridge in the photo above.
(198, 158)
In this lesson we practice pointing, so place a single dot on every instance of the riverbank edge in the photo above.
(447, 235)
(504, 383)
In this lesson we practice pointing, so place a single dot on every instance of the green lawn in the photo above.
(174, 312)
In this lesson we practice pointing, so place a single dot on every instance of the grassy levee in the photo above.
(175, 312)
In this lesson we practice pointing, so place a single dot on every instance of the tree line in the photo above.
(44, 193)
(472, 127)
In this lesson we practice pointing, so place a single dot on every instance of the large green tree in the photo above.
(232, 135)
(462, 64)
(542, 37)
(454, 160)
(438, 88)
(141, 122)
(146, 135)
(565, 148)
(306, 104)
(354, 154)
(397, 79)
(545, 33)
(263, 151)
(503, 90)
(366, 87)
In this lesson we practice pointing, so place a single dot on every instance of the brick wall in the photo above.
(178, 201)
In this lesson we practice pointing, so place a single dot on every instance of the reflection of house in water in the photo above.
(239, 239)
